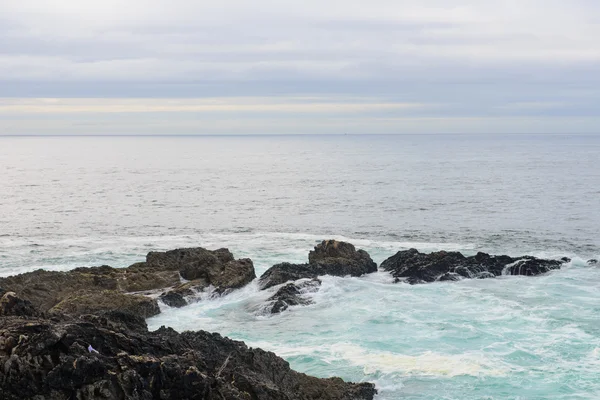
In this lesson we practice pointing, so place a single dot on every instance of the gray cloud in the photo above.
(463, 59)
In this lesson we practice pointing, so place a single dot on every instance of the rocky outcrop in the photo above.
(328, 258)
(113, 356)
(217, 268)
(94, 289)
(593, 261)
(292, 294)
(416, 267)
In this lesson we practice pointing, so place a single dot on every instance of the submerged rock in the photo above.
(292, 294)
(113, 356)
(417, 267)
(328, 258)
(593, 261)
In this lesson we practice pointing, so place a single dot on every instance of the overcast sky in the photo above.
(276, 66)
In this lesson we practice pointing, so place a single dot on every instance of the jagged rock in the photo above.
(49, 359)
(592, 262)
(91, 302)
(173, 299)
(46, 289)
(328, 258)
(292, 294)
(217, 268)
(285, 272)
(11, 304)
(416, 267)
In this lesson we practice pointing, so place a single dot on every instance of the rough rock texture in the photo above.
(292, 294)
(92, 302)
(78, 291)
(173, 299)
(217, 268)
(418, 267)
(52, 359)
(328, 258)
(11, 304)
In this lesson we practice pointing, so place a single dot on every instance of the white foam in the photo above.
(428, 363)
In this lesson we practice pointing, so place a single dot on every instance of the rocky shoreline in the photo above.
(81, 334)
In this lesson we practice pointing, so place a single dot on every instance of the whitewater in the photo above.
(70, 202)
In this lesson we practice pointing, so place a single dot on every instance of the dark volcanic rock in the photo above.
(173, 299)
(50, 359)
(328, 258)
(292, 294)
(11, 304)
(418, 267)
(592, 262)
(285, 272)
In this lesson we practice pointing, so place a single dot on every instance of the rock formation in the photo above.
(328, 258)
(95, 289)
(292, 294)
(416, 267)
(112, 355)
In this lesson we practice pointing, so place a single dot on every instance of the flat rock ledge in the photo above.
(415, 267)
(112, 355)
(95, 289)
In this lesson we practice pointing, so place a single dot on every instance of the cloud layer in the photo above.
(530, 63)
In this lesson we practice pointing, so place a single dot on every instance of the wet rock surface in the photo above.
(112, 355)
(292, 294)
(416, 267)
(330, 257)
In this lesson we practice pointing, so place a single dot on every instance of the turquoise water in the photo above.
(508, 338)
(70, 202)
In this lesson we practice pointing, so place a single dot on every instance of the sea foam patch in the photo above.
(427, 363)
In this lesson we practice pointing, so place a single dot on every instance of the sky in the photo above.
(76, 67)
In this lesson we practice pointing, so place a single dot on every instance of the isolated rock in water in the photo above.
(418, 267)
(92, 302)
(328, 258)
(217, 268)
(285, 272)
(292, 294)
(593, 261)
(341, 259)
(11, 304)
(51, 359)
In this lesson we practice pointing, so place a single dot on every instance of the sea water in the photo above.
(67, 202)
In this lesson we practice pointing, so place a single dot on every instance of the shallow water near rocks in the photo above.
(70, 202)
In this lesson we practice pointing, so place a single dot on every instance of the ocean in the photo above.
(68, 202)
